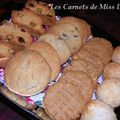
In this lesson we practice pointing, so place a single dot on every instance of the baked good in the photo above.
(60, 46)
(14, 33)
(81, 65)
(27, 73)
(82, 81)
(116, 55)
(67, 105)
(82, 26)
(100, 47)
(112, 70)
(97, 110)
(23, 18)
(50, 54)
(15, 98)
(69, 34)
(109, 92)
(42, 114)
(44, 10)
(86, 56)
(6, 50)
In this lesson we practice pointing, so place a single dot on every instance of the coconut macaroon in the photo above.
(97, 110)
(109, 92)
(116, 55)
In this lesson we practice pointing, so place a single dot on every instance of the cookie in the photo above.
(15, 98)
(97, 110)
(59, 45)
(6, 50)
(116, 55)
(67, 105)
(109, 92)
(86, 56)
(82, 26)
(81, 65)
(69, 34)
(82, 81)
(50, 54)
(94, 51)
(13, 33)
(23, 18)
(112, 70)
(44, 10)
(29, 72)
(41, 113)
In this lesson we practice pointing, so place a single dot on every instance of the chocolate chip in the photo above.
(21, 40)
(31, 5)
(23, 30)
(75, 35)
(64, 35)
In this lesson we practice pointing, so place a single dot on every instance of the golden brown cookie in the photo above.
(59, 45)
(63, 101)
(50, 54)
(13, 33)
(111, 71)
(82, 26)
(46, 12)
(27, 73)
(81, 65)
(82, 81)
(23, 18)
(85, 55)
(69, 34)
(116, 55)
(42, 114)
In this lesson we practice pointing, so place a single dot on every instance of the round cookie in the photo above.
(82, 81)
(63, 101)
(69, 34)
(27, 73)
(81, 65)
(116, 55)
(85, 55)
(109, 92)
(82, 26)
(59, 45)
(97, 110)
(50, 54)
(112, 70)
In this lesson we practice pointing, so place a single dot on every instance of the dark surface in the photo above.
(108, 21)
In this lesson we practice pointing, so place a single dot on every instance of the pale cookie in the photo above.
(50, 54)
(69, 34)
(82, 81)
(29, 73)
(59, 45)
(82, 26)
(63, 101)
(97, 110)
(109, 92)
